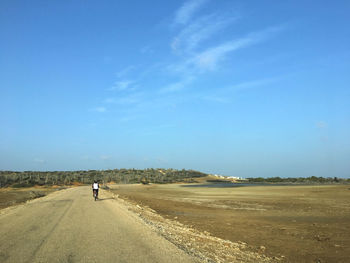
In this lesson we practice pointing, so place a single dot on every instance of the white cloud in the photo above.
(209, 59)
(198, 31)
(186, 11)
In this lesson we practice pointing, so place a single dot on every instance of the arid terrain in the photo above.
(209, 224)
(13, 196)
(292, 223)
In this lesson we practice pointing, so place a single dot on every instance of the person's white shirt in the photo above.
(95, 186)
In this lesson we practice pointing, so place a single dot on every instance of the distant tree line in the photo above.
(312, 179)
(31, 178)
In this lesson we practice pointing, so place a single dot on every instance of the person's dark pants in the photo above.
(93, 192)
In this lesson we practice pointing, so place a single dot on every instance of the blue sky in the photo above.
(240, 88)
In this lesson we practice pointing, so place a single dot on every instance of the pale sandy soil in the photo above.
(292, 223)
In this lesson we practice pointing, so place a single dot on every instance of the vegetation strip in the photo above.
(31, 178)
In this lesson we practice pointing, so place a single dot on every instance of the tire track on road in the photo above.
(31, 259)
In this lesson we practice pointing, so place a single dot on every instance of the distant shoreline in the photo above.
(231, 184)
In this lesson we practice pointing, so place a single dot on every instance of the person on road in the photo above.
(95, 187)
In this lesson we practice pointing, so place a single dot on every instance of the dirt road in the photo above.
(68, 226)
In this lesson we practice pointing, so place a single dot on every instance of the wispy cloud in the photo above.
(253, 83)
(201, 29)
(225, 94)
(186, 11)
(196, 52)
(209, 59)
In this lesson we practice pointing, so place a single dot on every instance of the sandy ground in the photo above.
(69, 226)
(294, 223)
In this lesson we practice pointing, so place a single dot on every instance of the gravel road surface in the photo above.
(69, 226)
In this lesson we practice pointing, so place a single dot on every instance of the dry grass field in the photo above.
(13, 196)
(299, 223)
